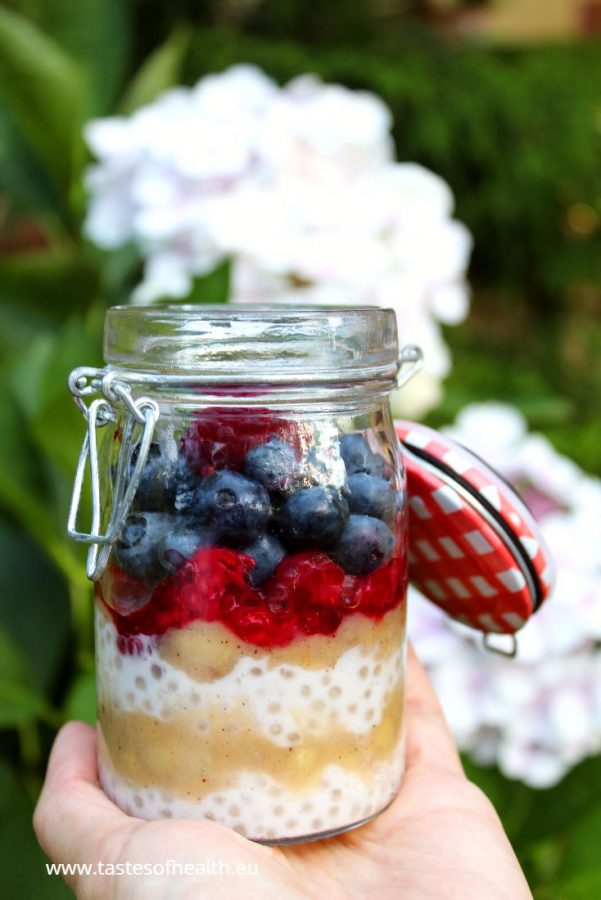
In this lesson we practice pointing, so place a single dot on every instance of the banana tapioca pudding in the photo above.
(249, 631)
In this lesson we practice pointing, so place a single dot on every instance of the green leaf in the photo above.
(40, 436)
(211, 288)
(81, 702)
(20, 702)
(161, 70)
(21, 859)
(45, 91)
(9, 788)
(96, 33)
(13, 665)
(559, 809)
(39, 380)
(21, 492)
(22, 178)
(580, 866)
(52, 282)
(583, 886)
(34, 610)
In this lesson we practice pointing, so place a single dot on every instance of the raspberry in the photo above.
(212, 578)
(252, 625)
(308, 579)
(349, 599)
(221, 436)
(130, 646)
(261, 626)
(316, 620)
(383, 589)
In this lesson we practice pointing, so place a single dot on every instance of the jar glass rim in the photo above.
(297, 342)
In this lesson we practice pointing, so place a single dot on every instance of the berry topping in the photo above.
(185, 483)
(220, 437)
(132, 646)
(359, 457)
(371, 495)
(259, 625)
(324, 465)
(182, 542)
(315, 587)
(305, 580)
(383, 589)
(319, 620)
(366, 544)
(165, 484)
(136, 550)
(214, 580)
(200, 544)
(236, 508)
(267, 552)
(313, 517)
(274, 465)
(156, 485)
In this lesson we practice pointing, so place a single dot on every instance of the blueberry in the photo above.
(365, 544)
(323, 465)
(313, 517)
(155, 487)
(267, 552)
(182, 542)
(185, 484)
(359, 457)
(235, 507)
(136, 550)
(371, 495)
(273, 465)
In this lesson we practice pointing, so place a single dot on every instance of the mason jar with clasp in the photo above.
(249, 550)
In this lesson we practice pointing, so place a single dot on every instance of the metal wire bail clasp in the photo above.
(409, 363)
(144, 414)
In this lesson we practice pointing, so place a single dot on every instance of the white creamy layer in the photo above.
(259, 808)
(287, 701)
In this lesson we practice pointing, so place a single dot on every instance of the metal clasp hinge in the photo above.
(510, 650)
(144, 414)
(409, 363)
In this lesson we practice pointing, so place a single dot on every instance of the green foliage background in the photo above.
(517, 134)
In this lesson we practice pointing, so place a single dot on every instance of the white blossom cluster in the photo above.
(299, 187)
(535, 716)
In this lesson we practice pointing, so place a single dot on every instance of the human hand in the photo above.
(440, 839)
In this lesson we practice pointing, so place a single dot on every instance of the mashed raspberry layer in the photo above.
(307, 594)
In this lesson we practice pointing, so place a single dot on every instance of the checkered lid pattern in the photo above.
(475, 549)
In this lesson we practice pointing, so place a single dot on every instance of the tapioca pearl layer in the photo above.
(191, 759)
(259, 807)
(286, 702)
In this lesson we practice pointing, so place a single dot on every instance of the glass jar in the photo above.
(251, 580)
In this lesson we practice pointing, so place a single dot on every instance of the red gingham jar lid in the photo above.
(475, 549)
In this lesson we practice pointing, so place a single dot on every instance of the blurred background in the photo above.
(502, 99)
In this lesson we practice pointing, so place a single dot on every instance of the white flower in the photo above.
(298, 186)
(163, 171)
(325, 133)
(450, 302)
(540, 714)
(240, 91)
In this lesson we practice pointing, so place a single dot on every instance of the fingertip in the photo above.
(73, 756)
(429, 740)
(72, 809)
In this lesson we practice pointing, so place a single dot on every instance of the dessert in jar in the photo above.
(250, 613)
